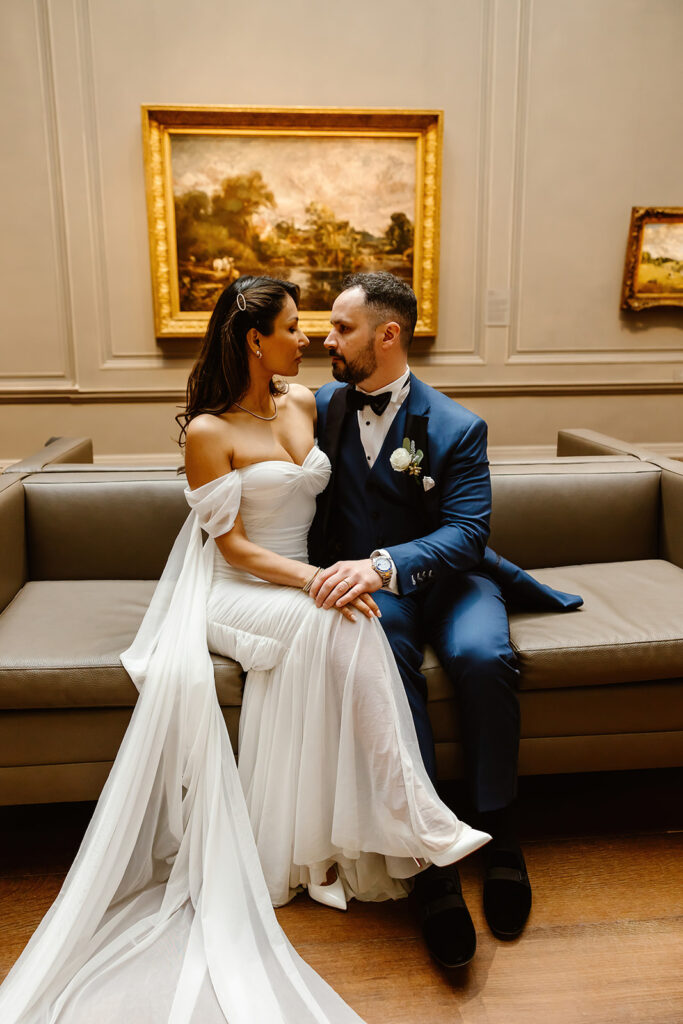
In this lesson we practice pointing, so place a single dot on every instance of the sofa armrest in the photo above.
(590, 442)
(671, 521)
(12, 539)
(57, 449)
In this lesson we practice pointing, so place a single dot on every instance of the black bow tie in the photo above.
(358, 400)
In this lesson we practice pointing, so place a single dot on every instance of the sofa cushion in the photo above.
(60, 642)
(645, 707)
(630, 627)
(572, 514)
(102, 525)
(59, 736)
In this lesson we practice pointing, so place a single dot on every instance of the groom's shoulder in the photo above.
(446, 412)
(324, 394)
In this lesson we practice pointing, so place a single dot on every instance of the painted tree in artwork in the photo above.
(240, 198)
(221, 224)
(400, 233)
(330, 242)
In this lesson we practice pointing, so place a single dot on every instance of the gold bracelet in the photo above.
(309, 583)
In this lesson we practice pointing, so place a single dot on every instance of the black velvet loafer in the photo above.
(446, 923)
(507, 891)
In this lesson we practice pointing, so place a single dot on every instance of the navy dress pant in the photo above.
(465, 620)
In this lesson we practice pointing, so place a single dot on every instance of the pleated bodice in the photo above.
(277, 505)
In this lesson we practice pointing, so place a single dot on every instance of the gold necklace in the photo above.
(256, 414)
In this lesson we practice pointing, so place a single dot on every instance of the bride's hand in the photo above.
(365, 604)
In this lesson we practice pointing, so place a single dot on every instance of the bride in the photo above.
(166, 914)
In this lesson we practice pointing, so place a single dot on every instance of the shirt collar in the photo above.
(399, 388)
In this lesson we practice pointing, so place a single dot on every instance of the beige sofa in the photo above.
(600, 688)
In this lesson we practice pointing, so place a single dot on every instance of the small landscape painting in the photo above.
(653, 274)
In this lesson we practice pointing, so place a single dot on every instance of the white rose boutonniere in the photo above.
(400, 460)
(407, 459)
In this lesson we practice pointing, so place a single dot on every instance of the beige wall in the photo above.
(558, 118)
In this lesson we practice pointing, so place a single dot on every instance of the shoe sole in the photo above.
(452, 967)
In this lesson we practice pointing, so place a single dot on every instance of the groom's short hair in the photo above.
(390, 297)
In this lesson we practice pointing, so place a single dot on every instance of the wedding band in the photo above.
(348, 585)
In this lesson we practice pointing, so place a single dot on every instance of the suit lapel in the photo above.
(336, 412)
(417, 421)
(411, 421)
(416, 430)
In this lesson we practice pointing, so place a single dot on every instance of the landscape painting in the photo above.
(654, 260)
(305, 195)
(309, 210)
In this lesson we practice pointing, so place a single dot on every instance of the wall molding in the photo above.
(588, 357)
(483, 184)
(93, 168)
(519, 172)
(517, 351)
(56, 187)
(84, 396)
(110, 357)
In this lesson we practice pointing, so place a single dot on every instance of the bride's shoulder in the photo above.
(302, 396)
(206, 425)
(208, 449)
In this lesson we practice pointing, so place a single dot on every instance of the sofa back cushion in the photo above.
(113, 525)
(554, 514)
(102, 525)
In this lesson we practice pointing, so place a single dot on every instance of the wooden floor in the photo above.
(603, 945)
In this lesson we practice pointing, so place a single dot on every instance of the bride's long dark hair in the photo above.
(220, 377)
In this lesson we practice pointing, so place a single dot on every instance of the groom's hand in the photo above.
(344, 582)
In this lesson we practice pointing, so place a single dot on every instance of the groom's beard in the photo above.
(357, 370)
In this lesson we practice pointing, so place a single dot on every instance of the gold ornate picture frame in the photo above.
(653, 272)
(303, 194)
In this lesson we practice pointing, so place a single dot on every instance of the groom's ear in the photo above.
(389, 334)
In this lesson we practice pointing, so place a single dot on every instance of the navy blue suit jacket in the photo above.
(453, 516)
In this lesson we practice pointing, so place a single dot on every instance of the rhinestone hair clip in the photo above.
(241, 302)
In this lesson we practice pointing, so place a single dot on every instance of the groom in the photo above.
(411, 528)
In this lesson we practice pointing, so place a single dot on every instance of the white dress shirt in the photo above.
(373, 431)
(374, 428)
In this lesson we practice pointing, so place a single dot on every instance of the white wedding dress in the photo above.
(165, 916)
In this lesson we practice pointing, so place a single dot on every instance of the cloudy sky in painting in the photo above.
(361, 180)
(664, 240)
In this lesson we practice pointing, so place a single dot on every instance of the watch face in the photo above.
(382, 563)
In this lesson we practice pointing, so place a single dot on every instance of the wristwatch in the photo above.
(384, 568)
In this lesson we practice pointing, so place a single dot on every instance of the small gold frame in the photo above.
(160, 122)
(634, 293)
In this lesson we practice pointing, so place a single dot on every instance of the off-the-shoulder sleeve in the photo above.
(217, 503)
